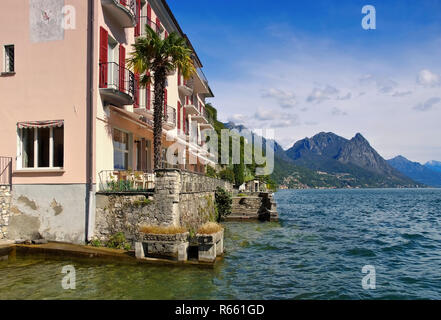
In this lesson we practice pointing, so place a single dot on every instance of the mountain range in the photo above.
(425, 174)
(327, 160)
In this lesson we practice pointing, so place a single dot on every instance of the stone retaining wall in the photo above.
(180, 199)
(122, 213)
(5, 203)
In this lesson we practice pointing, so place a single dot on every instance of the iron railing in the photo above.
(5, 171)
(114, 76)
(170, 115)
(126, 181)
(144, 20)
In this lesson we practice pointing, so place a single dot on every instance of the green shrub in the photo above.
(223, 202)
(118, 241)
(211, 172)
(227, 174)
(96, 243)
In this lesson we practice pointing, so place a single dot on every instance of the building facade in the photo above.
(74, 116)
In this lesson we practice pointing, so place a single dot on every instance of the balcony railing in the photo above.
(170, 117)
(145, 20)
(117, 83)
(126, 181)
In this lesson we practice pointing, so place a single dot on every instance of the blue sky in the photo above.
(302, 67)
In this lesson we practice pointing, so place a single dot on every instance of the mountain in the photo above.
(416, 171)
(353, 162)
(434, 165)
(330, 161)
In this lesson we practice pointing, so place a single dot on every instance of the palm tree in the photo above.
(160, 56)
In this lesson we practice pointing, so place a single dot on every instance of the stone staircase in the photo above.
(258, 207)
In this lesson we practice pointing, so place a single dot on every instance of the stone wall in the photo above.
(180, 199)
(122, 213)
(186, 199)
(5, 202)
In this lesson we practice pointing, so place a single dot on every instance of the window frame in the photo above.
(6, 59)
(19, 164)
(129, 150)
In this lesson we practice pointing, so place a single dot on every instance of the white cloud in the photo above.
(401, 93)
(426, 106)
(237, 118)
(346, 97)
(285, 99)
(318, 95)
(338, 112)
(427, 78)
(270, 118)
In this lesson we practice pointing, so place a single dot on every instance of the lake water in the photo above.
(316, 251)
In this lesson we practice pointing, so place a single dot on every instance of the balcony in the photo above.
(186, 88)
(120, 11)
(117, 84)
(169, 118)
(191, 109)
(145, 20)
(203, 118)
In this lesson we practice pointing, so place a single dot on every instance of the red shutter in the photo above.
(179, 115)
(158, 25)
(166, 34)
(123, 2)
(136, 98)
(179, 77)
(122, 69)
(138, 18)
(104, 40)
(149, 15)
(186, 100)
(148, 96)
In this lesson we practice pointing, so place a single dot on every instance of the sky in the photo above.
(302, 67)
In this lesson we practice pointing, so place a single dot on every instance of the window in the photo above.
(9, 59)
(120, 150)
(41, 147)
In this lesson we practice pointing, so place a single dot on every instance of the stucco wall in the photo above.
(53, 212)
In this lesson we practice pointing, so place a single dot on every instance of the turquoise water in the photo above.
(316, 251)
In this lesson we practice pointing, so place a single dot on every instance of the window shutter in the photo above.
(136, 98)
(149, 15)
(166, 34)
(138, 18)
(179, 115)
(122, 69)
(179, 77)
(184, 122)
(158, 25)
(104, 40)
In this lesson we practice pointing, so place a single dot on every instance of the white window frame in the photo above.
(19, 165)
(6, 59)
(129, 151)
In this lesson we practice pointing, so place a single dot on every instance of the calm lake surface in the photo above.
(316, 251)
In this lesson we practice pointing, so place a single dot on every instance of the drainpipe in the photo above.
(89, 121)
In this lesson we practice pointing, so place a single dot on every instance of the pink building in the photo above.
(73, 115)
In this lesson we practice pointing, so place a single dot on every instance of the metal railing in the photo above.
(114, 76)
(170, 115)
(126, 181)
(144, 20)
(5, 171)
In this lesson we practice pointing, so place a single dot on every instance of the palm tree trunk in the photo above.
(158, 107)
